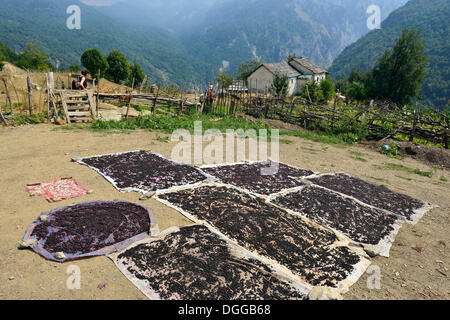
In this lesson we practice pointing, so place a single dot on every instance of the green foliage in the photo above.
(119, 67)
(428, 16)
(356, 91)
(95, 62)
(33, 59)
(400, 72)
(400, 167)
(74, 68)
(312, 91)
(358, 75)
(280, 85)
(224, 80)
(328, 89)
(246, 69)
(137, 74)
(169, 124)
(21, 120)
(291, 56)
(316, 137)
(392, 151)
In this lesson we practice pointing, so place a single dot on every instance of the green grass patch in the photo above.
(316, 137)
(21, 120)
(400, 167)
(405, 178)
(169, 124)
(443, 179)
(162, 139)
(286, 141)
(380, 179)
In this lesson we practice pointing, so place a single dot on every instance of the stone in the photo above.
(60, 256)
(28, 243)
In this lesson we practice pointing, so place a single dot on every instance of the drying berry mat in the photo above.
(373, 228)
(88, 229)
(310, 253)
(143, 171)
(378, 196)
(57, 190)
(260, 178)
(194, 263)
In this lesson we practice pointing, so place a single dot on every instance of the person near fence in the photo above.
(81, 83)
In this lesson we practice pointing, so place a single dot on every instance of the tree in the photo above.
(401, 70)
(312, 91)
(74, 68)
(2, 58)
(93, 60)
(119, 67)
(291, 56)
(224, 80)
(358, 75)
(137, 74)
(280, 85)
(247, 68)
(327, 88)
(33, 59)
(356, 91)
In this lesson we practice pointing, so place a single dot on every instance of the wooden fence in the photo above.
(379, 119)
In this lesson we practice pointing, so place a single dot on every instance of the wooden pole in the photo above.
(8, 97)
(154, 101)
(30, 95)
(97, 98)
(142, 84)
(40, 97)
(3, 118)
(15, 91)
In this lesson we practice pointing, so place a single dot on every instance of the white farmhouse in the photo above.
(299, 71)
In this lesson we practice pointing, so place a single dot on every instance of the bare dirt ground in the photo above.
(39, 153)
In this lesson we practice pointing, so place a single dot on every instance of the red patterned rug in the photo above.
(57, 190)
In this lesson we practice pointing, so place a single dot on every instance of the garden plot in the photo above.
(374, 195)
(305, 250)
(193, 263)
(143, 171)
(88, 229)
(250, 176)
(373, 228)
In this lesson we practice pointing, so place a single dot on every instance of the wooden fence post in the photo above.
(154, 101)
(30, 95)
(8, 97)
(142, 84)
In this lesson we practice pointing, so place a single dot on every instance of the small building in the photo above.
(298, 70)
